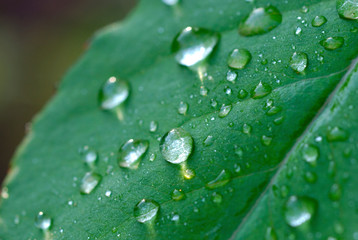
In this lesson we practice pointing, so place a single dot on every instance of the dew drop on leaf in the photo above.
(266, 140)
(89, 155)
(89, 182)
(310, 177)
(224, 110)
(273, 110)
(231, 76)
(178, 195)
(242, 94)
(171, 2)
(246, 128)
(239, 58)
(335, 192)
(153, 126)
(336, 134)
(146, 210)
(332, 43)
(216, 198)
(209, 140)
(261, 90)
(113, 93)
(319, 21)
(260, 21)
(203, 91)
(131, 152)
(299, 210)
(188, 173)
(347, 9)
(310, 154)
(278, 121)
(176, 146)
(183, 108)
(299, 62)
(192, 46)
(42, 221)
(221, 180)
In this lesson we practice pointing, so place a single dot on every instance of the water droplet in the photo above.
(266, 140)
(239, 58)
(242, 94)
(299, 210)
(318, 21)
(131, 152)
(153, 126)
(108, 193)
(152, 157)
(298, 31)
(188, 173)
(310, 177)
(332, 43)
(231, 76)
(42, 221)
(89, 182)
(216, 198)
(146, 210)
(224, 110)
(183, 108)
(335, 192)
(299, 62)
(89, 155)
(227, 90)
(5, 193)
(310, 154)
(192, 46)
(221, 180)
(260, 21)
(209, 140)
(178, 195)
(213, 103)
(270, 234)
(279, 120)
(261, 90)
(171, 2)
(337, 134)
(304, 9)
(246, 128)
(239, 151)
(176, 146)
(203, 91)
(347, 9)
(273, 110)
(113, 93)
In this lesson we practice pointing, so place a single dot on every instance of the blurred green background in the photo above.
(39, 41)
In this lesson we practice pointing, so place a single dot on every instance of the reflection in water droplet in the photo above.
(261, 90)
(178, 195)
(183, 108)
(221, 180)
(299, 210)
(224, 110)
(347, 9)
(131, 152)
(89, 182)
(192, 46)
(318, 21)
(310, 154)
(146, 210)
(113, 93)
(239, 58)
(260, 21)
(332, 43)
(337, 134)
(299, 62)
(42, 221)
(176, 146)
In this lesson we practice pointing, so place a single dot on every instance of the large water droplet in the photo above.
(176, 146)
(146, 210)
(178, 195)
(260, 21)
(318, 21)
(261, 90)
(131, 152)
(299, 210)
(42, 221)
(310, 154)
(89, 182)
(332, 43)
(113, 93)
(299, 61)
(221, 180)
(224, 110)
(347, 9)
(239, 58)
(337, 134)
(193, 46)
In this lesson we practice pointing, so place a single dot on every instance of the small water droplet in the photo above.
(176, 146)
(299, 62)
(224, 110)
(304, 9)
(221, 180)
(188, 173)
(178, 195)
(203, 91)
(89, 155)
(279, 120)
(299, 210)
(261, 90)
(209, 140)
(335, 192)
(298, 31)
(152, 157)
(266, 140)
(231, 76)
(239, 58)
(239, 151)
(213, 103)
(153, 126)
(318, 21)
(192, 46)
(131, 153)
(310, 177)
(108, 193)
(146, 210)
(42, 221)
(242, 94)
(246, 128)
(171, 2)
(347, 9)
(273, 110)
(227, 90)
(260, 21)
(310, 154)
(337, 134)
(89, 182)
(183, 108)
(332, 43)
(216, 198)
(113, 93)
(270, 234)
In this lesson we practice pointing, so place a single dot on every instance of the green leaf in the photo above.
(276, 164)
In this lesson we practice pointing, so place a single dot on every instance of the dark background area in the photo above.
(39, 41)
